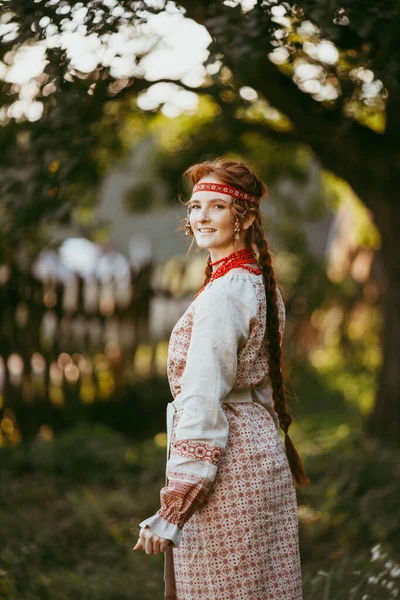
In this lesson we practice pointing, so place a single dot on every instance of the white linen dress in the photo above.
(229, 504)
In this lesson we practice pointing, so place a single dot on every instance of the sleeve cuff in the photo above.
(163, 529)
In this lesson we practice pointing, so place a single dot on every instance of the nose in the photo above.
(202, 216)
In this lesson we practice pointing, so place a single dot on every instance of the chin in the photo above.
(203, 244)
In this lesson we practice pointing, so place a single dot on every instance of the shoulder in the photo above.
(236, 289)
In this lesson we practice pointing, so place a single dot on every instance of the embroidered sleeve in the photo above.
(221, 325)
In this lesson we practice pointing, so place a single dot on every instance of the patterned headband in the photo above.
(226, 189)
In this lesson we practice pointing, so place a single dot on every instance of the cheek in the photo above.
(227, 221)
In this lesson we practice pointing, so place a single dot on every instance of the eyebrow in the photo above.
(211, 200)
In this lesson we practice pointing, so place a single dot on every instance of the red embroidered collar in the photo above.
(242, 258)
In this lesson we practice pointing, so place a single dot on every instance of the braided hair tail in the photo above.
(296, 466)
(208, 271)
(275, 355)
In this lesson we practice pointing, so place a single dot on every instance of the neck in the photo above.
(242, 258)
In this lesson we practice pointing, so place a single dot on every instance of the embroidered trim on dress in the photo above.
(197, 450)
(184, 494)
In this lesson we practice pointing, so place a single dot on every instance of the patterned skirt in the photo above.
(243, 543)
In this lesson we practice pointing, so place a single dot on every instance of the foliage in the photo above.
(61, 157)
(362, 579)
(349, 509)
(69, 514)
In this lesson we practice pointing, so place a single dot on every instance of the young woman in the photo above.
(228, 517)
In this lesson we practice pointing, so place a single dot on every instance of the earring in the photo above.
(188, 229)
(237, 229)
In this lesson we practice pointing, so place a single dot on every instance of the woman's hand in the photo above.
(150, 542)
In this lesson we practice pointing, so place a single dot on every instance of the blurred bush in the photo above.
(69, 514)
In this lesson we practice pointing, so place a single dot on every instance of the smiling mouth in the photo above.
(206, 230)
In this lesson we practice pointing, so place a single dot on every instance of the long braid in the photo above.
(274, 341)
(208, 271)
(273, 335)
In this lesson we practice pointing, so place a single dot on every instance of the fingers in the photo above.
(159, 544)
(164, 545)
(146, 536)
(148, 546)
(143, 538)
(156, 545)
(150, 542)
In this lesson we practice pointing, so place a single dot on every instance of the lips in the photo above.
(206, 230)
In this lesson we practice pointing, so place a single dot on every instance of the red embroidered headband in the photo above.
(209, 186)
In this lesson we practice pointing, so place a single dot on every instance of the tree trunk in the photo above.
(384, 421)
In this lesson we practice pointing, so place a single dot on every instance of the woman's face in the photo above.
(212, 221)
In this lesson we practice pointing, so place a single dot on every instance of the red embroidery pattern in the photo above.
(184, 495)
(197, 450)
(193, 449)
(178, 349)
(226, 189)
(242, 544)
